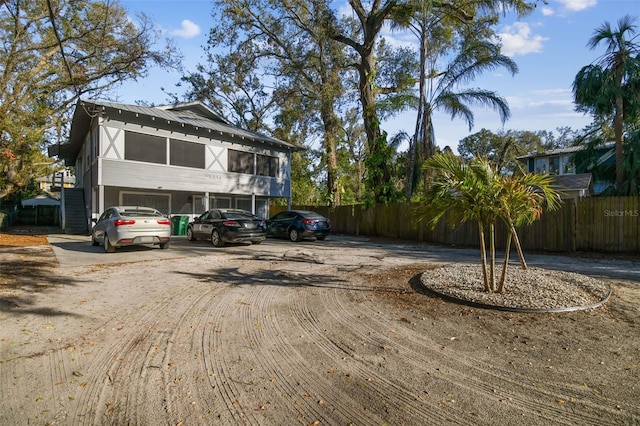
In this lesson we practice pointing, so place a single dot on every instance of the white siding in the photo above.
(114, 171)
(130, 174)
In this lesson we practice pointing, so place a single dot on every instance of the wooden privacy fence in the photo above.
(598, 224)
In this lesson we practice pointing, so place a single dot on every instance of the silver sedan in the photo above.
(131, 225)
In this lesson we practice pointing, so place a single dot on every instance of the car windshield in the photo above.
(140, 212)
(311, 215)
(239, 215)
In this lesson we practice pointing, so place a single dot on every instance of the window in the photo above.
(147, 148)
(541, 165)
(262, 208)
(95, 143)
(106, 214)
(244, 204)
(567, 165)
(266, 165)
(554, 165)
(141, 212)
(156, 201)
(198, 204)
(187, 154)
(240, 162)
(219, 203)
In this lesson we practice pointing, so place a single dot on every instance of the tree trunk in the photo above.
(378, 168)
(503, 274)
(619, 148)
(411, 169)
(516, 241)
(483, 255)
(492, 253)
(331, 129)
(415, 142)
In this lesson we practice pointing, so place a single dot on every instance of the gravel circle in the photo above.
(533, 289)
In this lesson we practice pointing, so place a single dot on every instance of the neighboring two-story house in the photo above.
(181, 159)
(560, 164)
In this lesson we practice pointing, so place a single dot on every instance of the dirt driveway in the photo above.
(315, 333)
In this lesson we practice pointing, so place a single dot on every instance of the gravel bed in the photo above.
(531, 289)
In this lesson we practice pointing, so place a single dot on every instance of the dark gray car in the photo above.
(298, 224)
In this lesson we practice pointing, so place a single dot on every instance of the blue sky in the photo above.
(549, 47)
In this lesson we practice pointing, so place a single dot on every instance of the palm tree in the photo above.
(475, 191)
(523, 197)
(442, 91)
(605, 87)
(464, 31)
(460, 191)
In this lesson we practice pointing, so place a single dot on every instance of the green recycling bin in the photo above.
(179, 225)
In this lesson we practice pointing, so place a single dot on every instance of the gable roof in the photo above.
(198, 108)
(196, 117)
(568, 150)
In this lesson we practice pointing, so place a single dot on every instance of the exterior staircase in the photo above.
(75, 215)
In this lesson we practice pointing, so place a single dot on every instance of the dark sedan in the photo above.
(222, 226)
(298, 224)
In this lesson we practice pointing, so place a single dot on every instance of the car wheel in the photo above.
(256, 241)
(322, 237)
(294, 235)
(215, 239)
(190, 235)
(107, 245)
(164, 246)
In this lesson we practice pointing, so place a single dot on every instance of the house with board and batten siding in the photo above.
(181, 159)
(569, 180)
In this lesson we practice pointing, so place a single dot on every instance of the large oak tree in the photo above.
(54, 52)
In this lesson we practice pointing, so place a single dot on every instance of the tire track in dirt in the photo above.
(120, 373)
(215, 347)
(185, 396)
(469, 373)
(280, 342)
(407, 403)
(301, 384)
(463, 376)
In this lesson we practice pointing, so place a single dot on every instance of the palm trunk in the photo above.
(415, 140)
(516, 241)
(408, 190)
(483, 255)
(618, 119)
(492, 253)
(505, 265)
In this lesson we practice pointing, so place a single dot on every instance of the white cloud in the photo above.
(547, 93)
(187, 30)
(577, 5)
(517, 39)
(547, 11)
